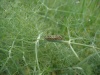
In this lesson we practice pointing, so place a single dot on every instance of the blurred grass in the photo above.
(21, 23)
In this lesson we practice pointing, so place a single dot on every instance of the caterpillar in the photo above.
(53, 37)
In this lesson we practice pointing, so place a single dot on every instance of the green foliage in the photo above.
(24, 25)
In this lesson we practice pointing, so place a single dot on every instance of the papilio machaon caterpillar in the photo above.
(53, 37)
